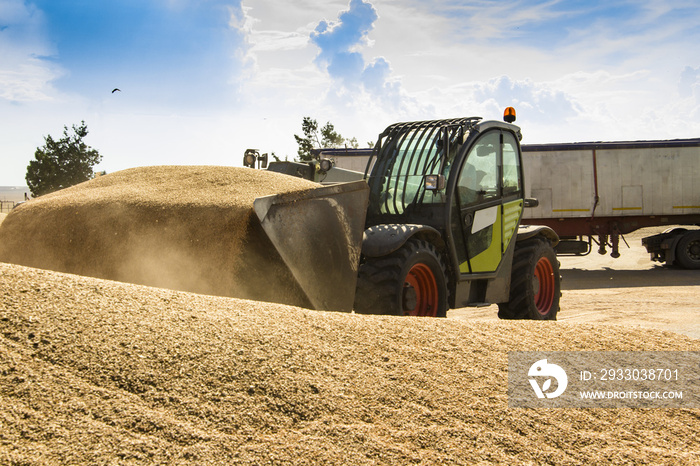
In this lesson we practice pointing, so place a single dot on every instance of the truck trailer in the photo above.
(595, 192)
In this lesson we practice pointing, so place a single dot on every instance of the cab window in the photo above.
(511, 166)
(478, 181)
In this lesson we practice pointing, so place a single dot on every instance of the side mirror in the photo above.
(531, 202)
(434, 182)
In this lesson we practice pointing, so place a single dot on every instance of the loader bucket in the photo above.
(318, 235)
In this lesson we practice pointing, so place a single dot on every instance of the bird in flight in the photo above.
(115, 90)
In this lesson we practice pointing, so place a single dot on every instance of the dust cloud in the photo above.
(182, 228)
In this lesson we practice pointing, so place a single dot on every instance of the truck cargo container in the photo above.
(595, 192)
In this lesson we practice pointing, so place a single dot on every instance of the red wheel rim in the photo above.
(545, 284)
(421, 281)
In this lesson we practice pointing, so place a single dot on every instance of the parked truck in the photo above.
(596, 192)
(433, 223)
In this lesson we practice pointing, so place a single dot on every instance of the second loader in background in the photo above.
(432, 224)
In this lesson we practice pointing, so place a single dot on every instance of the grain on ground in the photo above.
(98, 372)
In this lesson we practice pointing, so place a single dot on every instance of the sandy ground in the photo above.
(631, 290)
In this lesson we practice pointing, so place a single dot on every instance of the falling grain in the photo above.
(186, 228)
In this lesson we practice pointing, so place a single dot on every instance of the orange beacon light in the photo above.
(509, 115)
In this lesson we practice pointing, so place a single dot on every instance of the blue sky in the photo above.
(203, 80)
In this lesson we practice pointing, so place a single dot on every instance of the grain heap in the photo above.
(186, 228)
(98, 372)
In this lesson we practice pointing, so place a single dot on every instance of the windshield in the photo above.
(406, 153)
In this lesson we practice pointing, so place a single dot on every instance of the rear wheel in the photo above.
(410, 281)
(688, 250)
(535, 286)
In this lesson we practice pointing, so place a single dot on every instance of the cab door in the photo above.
(487, 202)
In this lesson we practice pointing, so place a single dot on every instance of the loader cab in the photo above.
(486, 199)
(462, 178)
(458, 183)
(446, 199)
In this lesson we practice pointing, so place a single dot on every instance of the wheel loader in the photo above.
(432, 224)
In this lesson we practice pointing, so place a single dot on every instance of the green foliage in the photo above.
(330, 138)
(63, 163)
(310, 129)
(315, 138)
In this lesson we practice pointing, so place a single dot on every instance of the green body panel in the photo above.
(501, 233)
(512, 211)
(488, 260)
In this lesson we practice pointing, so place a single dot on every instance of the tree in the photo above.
(330, 138)
(352, 142)
(63, 163)
(326, 137)
(306, 143)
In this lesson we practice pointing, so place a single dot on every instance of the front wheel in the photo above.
(408, 282)
(535, 286)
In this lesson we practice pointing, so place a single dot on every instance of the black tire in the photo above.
(535, 284)
(409, 281)
(688, 250)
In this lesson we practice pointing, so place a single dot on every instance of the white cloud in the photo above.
(689, 101)
(28, 80)
(689, 84)
(343, 44)
(25, 72)
(267, 40)
(485, 20)
(339, 41)
(342, 85)
(543, 103)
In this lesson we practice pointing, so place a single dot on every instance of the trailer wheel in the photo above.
(535, 286)
(408, 282)
(688, 250)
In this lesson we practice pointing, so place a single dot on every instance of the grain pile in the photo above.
(185, 228)
(98, 372)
